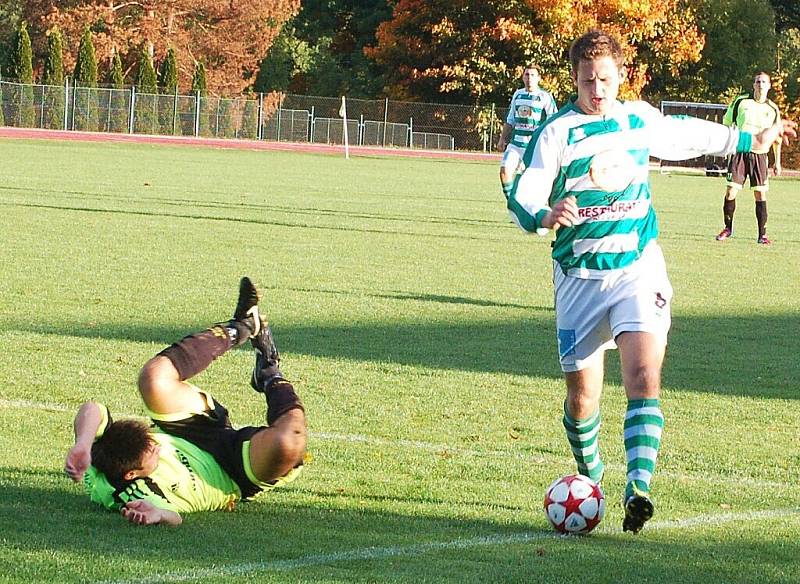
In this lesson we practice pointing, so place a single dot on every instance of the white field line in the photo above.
(381, 553)
(444, 448)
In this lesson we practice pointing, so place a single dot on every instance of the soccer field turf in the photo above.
(417, 324)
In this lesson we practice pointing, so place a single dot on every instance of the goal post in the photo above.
(714, 112)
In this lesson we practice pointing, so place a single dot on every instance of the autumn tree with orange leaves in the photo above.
(229, 36)
(473, 51)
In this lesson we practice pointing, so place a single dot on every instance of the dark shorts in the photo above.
(213, 432)
(748, 165)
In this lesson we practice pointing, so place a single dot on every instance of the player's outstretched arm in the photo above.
(780, 132)
(86, 424)
(142, 512)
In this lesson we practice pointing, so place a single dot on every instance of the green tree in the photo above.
(200, 90)
(10, 16)
(22, 71)
(53, 80)
(249, 125)
(118, 101)
(740, 40)
(326, 42)
(85, 73)
(145, 113)
(85, 78)
(787, 14)
(277, 68)
(168, 85)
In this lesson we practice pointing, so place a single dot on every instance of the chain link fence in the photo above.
(276, 117)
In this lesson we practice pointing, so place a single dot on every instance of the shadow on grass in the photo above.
(58, 534)
(746, 356)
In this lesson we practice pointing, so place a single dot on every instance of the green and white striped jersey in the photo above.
(603, 161)
(526, 112)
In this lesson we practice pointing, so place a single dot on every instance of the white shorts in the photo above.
(590, 314)
(512, 157)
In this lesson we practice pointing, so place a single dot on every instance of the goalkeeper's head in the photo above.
(125, 451)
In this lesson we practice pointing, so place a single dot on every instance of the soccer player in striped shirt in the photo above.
(586, 178)
(530, 106)
(194, 459)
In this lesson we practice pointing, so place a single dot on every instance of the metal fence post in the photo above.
(197, 113)
(74, 87)
(259, 130)
(175, 111)
(491, 129)
(410, 132)
(66, 103)
(311, 125)
(132, 112)
(385, 120)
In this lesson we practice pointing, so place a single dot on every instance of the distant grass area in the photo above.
(417, 325)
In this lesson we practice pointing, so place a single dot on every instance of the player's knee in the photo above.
(581, 406)
(643, 382)
(154, 375)
(289, 444)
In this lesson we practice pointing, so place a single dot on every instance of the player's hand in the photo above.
(565, 213)
(501, 144)
(140, 512)
(78, 460)
(779, 132)
(778, 169)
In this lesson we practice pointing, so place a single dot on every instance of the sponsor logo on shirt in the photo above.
(613, 212)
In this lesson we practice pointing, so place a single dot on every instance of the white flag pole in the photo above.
(343, 114)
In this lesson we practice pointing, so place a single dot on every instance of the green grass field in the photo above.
(417, 325)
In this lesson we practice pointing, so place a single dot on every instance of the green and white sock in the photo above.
(642, 431)
(583, 436)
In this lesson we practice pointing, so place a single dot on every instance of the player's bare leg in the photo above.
(162, 380)
(641, 357)
(278, 449)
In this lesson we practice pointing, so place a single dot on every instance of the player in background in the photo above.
(530, 106)
(193, 460)
(586, 178)
(751, 112)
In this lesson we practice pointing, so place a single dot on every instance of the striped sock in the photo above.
(642, 431)
(584, 441)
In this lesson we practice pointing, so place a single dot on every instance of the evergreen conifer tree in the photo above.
(22, 69)
(85, 78)
(199, 88)
(118, 102)
(53, 91)
(147, 98)
(250, 118)
(168, 85)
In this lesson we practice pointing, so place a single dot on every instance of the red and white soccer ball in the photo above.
(574, 504)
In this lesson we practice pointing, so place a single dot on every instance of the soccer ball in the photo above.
(574, 504)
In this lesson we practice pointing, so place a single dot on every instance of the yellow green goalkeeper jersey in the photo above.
(187, 479)
(603, 161)
(752, 116)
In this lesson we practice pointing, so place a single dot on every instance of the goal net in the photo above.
(711, 165)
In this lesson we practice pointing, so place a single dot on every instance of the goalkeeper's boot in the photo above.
(638, 510)
(246, 319)
(267, 367)
(764, 240)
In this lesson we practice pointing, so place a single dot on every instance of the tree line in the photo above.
(467, 52)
